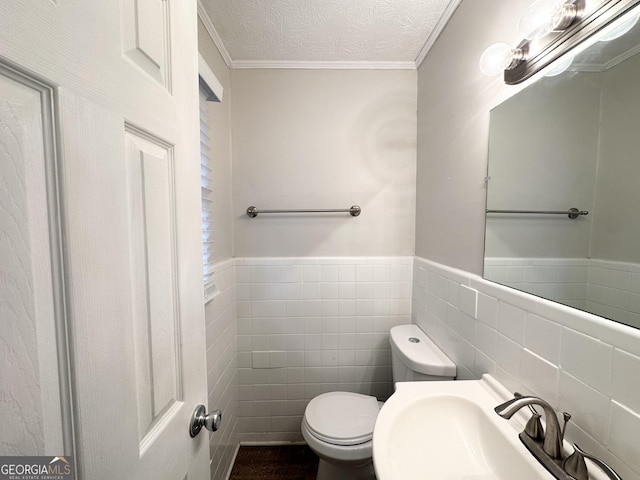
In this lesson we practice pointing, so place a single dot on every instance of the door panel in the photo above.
(145, 29)
(31, 400)
(154, 281)
(126, 95)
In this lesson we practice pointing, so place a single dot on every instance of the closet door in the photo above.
(100, 217)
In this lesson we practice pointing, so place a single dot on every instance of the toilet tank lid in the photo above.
(422, 356)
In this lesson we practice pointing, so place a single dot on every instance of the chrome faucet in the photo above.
(547, 445)
(553, 435)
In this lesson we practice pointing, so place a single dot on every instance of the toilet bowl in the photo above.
(338, 426)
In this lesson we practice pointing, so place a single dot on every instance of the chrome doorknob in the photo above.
(200, 419)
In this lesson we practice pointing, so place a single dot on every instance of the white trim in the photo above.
(209, 78)
(586, 67)
(319, 65)
(273, 443)
(233, 461)
(213, 33)
(437, 30)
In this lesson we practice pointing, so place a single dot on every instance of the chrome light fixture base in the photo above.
(517, 57)
(565, 16)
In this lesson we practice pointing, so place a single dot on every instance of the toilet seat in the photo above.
(342, 418)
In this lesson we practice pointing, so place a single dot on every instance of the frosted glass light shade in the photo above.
(620, 30)
(559, 66)
(497, 58)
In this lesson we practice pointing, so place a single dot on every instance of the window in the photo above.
(210, 91)
(206, 190)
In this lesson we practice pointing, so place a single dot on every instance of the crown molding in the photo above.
(327, 65)
(319, 65)
(622, 57)
(437, 30)
(603, 67)
(213, 33)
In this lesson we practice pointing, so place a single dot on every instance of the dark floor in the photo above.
(286, 462)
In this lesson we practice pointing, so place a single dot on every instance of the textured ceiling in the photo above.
(325, 31)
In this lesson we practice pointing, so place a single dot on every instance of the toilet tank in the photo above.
(414, 357)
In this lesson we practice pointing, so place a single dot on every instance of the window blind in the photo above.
(206, 188)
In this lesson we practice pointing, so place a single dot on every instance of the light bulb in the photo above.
(544, 16)
(620, 29)
(498, 58)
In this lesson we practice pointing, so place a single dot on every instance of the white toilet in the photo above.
(338, 426)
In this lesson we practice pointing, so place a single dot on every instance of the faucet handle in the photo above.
(533, 428)
(576, 467)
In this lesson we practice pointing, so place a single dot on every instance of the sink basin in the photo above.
(449, 431)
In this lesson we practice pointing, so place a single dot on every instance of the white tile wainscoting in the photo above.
(613, 290)
(283, 330)
(578, 362)
(607, 288)
(311, 325)
(561, 279)
(222, 365)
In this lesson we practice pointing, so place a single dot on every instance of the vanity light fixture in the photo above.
(541, 18)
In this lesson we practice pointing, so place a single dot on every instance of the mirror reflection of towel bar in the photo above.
(571, 213)
(354, 211)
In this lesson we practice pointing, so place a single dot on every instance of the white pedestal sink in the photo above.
(449, 431)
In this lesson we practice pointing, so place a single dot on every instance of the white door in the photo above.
(100, 241)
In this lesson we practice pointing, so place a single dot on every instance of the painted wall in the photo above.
(543, 150)
(576, 122)
(220, 313)
(616, 233)
(454, 103)
(324, 139)
(453, 131)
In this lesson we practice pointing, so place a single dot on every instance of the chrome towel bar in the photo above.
(354, 211)
(571, 213)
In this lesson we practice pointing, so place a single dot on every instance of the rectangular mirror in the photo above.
(571, 141)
